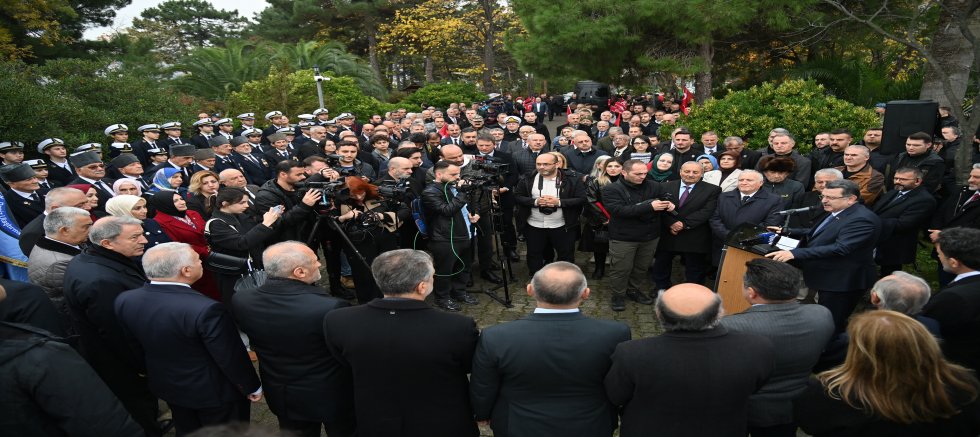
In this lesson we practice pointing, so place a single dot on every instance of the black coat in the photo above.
(48, 390)
(930, 163)
(192, 353)
(255, 173)
(24, 209)
(699, 206)
(957, 309)
(515, 385)
(901, 222)
(104, 194)
(296, 222)
(148, 175)
(443, 213)
(302, 381)
(203, 206)
(571, 192)
(238, 235)
(632, 218)
(58, 173)
(844, 246)
(688, 383)
(955, 212)
(28, 304)
(822, 416)
(409, 362)
(760, 209)
(30, 234)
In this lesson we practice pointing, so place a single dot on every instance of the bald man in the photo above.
(696, 378)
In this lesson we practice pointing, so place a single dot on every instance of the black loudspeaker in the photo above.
(904, 118)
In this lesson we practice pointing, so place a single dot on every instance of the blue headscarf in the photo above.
(161, 180)
(712, 159)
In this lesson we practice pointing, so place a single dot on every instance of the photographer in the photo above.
(399, 174)
(297, 205)
(449, 223)
(349, 165)
(370, 225)
(549, 204)
(497, 166)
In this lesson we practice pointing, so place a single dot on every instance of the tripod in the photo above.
(334, 226)
(504, 267)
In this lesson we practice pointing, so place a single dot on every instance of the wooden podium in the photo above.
(741, 247)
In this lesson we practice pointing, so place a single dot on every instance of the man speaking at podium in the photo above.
(837, 255)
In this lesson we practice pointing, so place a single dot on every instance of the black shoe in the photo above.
(491, 276)
(466, 298)
(618, 302)
(343, 293)
(520, 237)
(448, 305)
(512, 255)
(599, 272)
(639, 297)
(165, 425)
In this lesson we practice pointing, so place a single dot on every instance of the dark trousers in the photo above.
(374, 243)
(484, 242)
(841, 304)
(539, 239)
(188, 420)
(663, 264)
(312, 429)
(451, 261)
(134, 395)
(785, 430)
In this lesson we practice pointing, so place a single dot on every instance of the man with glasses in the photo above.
(837, 256)
(91, 170)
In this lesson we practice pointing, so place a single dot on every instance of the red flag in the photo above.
(444, 131)
(686, 101)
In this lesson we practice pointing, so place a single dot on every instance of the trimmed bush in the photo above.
(441, 95)
(802, 107)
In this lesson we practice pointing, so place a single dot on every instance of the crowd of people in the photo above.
(132, 291)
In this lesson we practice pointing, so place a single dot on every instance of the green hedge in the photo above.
(441, 95)
(295, 93)
(802, 107)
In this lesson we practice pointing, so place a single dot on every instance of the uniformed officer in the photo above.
(204, 158)
(205, 130)
(322, 116)
(118, 132)
(248, 122)
(87, 147)
(157, 156)
(11, 152)
(42, 173)
(23, 199)
(151, 136)
(116, 149)
(59, 169)
(129, 167)
(278, 121)
(174, 131)
(91, 170)
(253, 163)
(254, 138)
(225, 127)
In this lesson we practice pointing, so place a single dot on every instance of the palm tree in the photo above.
(213, 72)
(329, 56)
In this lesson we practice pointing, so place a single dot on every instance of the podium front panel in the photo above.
(729, 282)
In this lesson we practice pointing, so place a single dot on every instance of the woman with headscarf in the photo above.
(168, 179)
(126, 186)
(726, 174)
(661, 168)
(184, 226)
(125, 205)
(93, 200)
(233, 232)
(203, 189)
(708, 162)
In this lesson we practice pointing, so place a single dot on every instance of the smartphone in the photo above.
(279, 209)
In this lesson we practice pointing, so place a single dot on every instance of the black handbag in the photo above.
(601, 235)
(251, 279)
(225, 264)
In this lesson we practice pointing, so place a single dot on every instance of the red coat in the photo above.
(183, 233)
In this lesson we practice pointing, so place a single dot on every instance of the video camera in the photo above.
(482, 164)
(333, 161)
(394, 190)
(328, 189)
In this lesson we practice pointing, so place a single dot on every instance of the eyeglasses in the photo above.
(831, 197)
(95, 166)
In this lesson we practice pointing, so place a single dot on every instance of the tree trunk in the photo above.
(429, 77)
(702, 80)
(955, 53)
(488, 52)
(373, 53)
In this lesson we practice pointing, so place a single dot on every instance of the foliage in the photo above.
(24, 24)
(858, 82)
(213, 72)
(802, 107)
(177, 26)
(76, 99)
(441, 95)
(288, 21)
(295, 93)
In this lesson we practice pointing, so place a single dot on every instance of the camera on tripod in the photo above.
(333, 161)
(328, 190)
(482, 164)
(394, 191)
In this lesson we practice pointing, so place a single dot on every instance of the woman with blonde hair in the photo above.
(202, 192)
(595, 237)
(894, 382)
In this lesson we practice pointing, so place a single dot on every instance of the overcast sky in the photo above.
(124, 16)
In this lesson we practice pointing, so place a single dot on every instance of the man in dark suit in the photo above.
(959, 210)
(59, 169)
(693, 380)
(23, 199)
(91, 170)
(524, 159)
(749, 157)
(191, 352)
(305, 386)
(181, 158)
(26, 303)
(686, 234)
(837, 256)
(904, 211)
(515, 385)
(93, 281)
(426, 355)
(798, 332)
(748, 204)
(957, 306)
(253, 165)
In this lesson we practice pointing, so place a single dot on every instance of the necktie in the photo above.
(35, 197)
(455, 141)
(687, 191)
(178, 141)
(44, 185)
(897, 198)
(745, 199)
(973, 198)
(823, 223)
(253, 160)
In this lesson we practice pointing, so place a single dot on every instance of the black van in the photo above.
(593, 93)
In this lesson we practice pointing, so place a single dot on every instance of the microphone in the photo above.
(799, 210)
